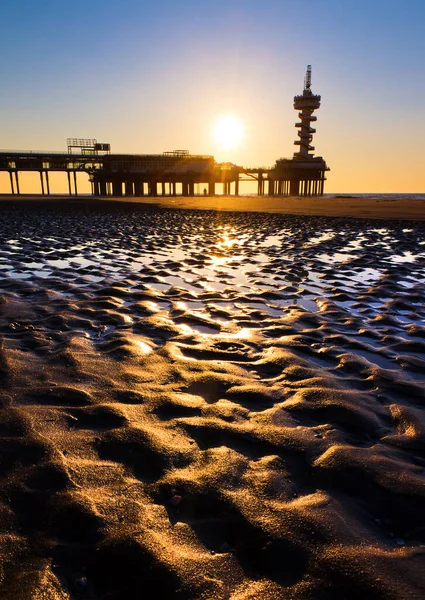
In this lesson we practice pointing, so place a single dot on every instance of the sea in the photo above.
(372, 196)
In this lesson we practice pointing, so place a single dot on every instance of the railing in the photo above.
(256, 169)
(95, 154)
(47, 152)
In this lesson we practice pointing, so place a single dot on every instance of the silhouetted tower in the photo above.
(304, 174)
(307, 103)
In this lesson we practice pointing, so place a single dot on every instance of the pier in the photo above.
(177, 172)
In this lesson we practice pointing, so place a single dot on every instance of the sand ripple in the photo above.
(215, 406)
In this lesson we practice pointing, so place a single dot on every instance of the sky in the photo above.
(149, 77)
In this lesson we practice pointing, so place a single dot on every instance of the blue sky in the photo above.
(149, 77)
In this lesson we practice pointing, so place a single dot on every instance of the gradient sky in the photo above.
(150, 77)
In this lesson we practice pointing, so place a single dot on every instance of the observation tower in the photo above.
(307, 103)
(304, 174)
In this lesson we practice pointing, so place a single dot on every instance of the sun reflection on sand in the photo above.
(218, 261)
(243, 334)
(143, 347)
(230, 237)
(227, 242)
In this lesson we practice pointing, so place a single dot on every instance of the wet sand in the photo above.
(211, 405)
(337, 206)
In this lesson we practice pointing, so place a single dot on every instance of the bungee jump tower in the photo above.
(304, 174)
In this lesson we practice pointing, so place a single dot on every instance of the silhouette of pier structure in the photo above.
(176, 172)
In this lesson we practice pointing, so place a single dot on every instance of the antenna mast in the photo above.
(307, 78)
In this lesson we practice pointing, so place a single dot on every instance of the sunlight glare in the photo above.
(228, 132)
(218, 261)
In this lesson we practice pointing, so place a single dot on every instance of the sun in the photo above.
(228, 132)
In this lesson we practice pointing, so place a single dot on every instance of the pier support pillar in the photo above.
(191, 188)
(211, 188)
(117, 188)
(260, 184)
(129, 188)
(48, 183)
(12, 187)
(17, 183)
(185, 188)
(237, 187)
(163, 193)
(153, 188)
(138, 188)
(294, 188)
(102, 188)
(42, 183)
(96, 188)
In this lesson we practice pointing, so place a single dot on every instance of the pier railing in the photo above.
(46, 153)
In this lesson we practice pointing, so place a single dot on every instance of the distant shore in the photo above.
(334, 206)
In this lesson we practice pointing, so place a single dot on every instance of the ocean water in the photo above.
(373, 196)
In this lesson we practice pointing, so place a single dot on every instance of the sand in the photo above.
(210, 405)
(338, 206)
(328, 206)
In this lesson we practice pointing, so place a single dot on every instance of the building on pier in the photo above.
(304, 174)
(154, 174)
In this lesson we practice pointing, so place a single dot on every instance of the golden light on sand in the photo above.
(228, 132)
(218, 261)
(181, 424)
(226, 242)
(143, 347)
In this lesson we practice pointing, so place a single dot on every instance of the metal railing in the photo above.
(45, 153)
(95, 154)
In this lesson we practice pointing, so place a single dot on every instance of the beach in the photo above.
(212, 398)
(356, 206)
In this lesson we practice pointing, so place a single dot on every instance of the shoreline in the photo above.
(335, 206)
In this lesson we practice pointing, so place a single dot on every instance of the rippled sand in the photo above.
(210, 405)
